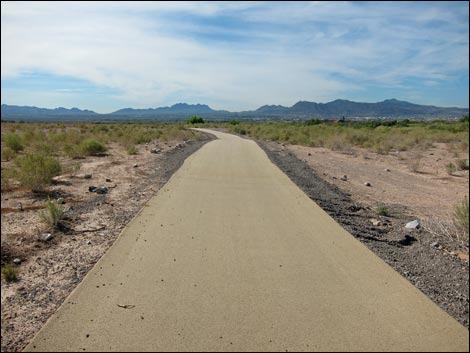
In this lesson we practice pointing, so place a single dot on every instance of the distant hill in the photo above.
(179, 108)
(11, 111)
(390, 108)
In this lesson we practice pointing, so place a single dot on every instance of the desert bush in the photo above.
(7, 177)
(131, 150)
(14, 142)
(8, 154)
(195, 120)
(53, 213)
(461, 215)
(72, 151)
(451, 168)
(36, 170)
(9, 272)
(234, 122)
(91, 147)
(462, 164)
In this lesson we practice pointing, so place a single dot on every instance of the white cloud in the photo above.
(149, 54)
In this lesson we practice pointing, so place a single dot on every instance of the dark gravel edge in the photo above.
(440, 276)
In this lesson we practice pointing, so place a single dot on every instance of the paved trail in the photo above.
(231, 256)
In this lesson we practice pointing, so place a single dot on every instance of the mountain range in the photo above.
(390, 108)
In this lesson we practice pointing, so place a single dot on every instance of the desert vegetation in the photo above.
(377, 136)
(34, 153)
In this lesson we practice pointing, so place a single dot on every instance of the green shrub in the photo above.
(462, 164)
(234, 122)
(195, 120)
(53, 213)
(14, 142)
(8, 154)
(36, 170)
(382, 210)
(9, 272)
(132, 150)
(91, 147)
(72, 151)
(312, 122)
(451, 168)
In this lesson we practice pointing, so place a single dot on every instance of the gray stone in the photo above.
(102, 190)
(367, 183)
(135, 166)
(155, 150)
(413, 224)
(387, 170)
(344, 178)
(92, 188)
(435, 244)
(16, 261)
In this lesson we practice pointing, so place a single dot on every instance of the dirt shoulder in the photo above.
(50, 270)
(437, 267)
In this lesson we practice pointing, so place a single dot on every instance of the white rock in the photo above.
(413, 224)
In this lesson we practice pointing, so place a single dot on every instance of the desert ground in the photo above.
(412, 184)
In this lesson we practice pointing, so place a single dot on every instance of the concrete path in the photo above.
(231, 256)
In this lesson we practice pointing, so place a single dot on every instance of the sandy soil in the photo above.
(427, 192)
(50, 270)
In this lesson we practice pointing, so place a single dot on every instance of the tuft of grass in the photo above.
(451, 168)
(461, 218)
(91, 147)
(8, 154)
(53, 213)
(462, 164)
(382, 210)
(36, 170)
(132, 150)
(10, 273)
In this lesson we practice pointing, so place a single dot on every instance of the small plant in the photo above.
(91, 147)
(462, 164)
(461, 218)
(132, 150)
(53, 213)
(234, 122)
(14, 142)
(312, 122)
(36, 170)
(451, 168)
(195, 120)
(382, 210)
(8, 154)
(10, 273)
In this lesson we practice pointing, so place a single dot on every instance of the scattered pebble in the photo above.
(367, 183)
(344, 178)
(435, 244)
(16, 261)
(87, 176)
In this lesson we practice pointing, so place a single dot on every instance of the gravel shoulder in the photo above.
(433, 269)
(50, 270)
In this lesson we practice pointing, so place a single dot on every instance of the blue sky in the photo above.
(232, 55)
